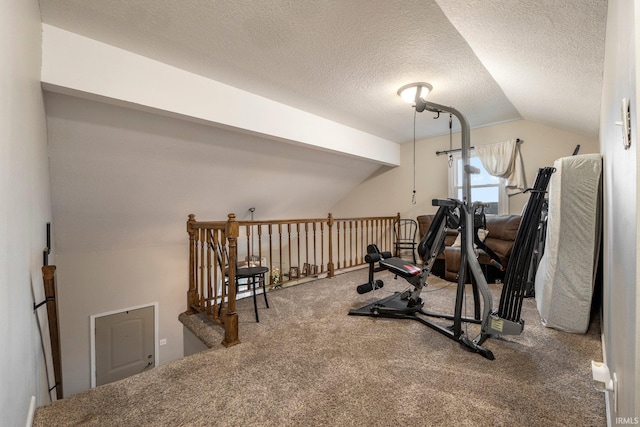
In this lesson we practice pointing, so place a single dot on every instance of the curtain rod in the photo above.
(440, 153)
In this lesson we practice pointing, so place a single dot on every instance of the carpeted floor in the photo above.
(309, 364)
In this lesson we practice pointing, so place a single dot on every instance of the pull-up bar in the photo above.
(440, 153)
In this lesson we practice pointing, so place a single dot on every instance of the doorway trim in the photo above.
(92, 329)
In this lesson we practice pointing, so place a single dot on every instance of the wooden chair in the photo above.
(405, 237)
(247, 275)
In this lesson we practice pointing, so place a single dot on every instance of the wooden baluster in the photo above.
(280, 252)
(216, 276)
(201, 239)
(289, 246)
(363, 242)
(209, 287)
(322, 246)
(373, 232)
(249, 245)
(262, 283)
(298, 247)
(338, 235)
(357, 242)
(385, 234)
(385, 231)
(347, 237)
(351, 243)
(259, 227)
(344, 244)
(315, 246)
(270, 262)
(231, 318)
(368, 231)
(372, 229)
(222, 239)
(391, 233)
(306, 248)
(338, 265)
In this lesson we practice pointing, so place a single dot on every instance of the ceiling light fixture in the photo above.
(415, 92)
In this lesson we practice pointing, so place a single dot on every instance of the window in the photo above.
(484, 187)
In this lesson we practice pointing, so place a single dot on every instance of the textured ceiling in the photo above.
(344, 60)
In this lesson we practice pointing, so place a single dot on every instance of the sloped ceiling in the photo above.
(547, 56)
(344, 60)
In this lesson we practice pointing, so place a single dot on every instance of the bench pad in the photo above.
(400, 267)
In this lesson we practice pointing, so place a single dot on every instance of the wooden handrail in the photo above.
(294, 250)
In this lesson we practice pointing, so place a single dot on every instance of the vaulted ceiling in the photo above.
(494, 60)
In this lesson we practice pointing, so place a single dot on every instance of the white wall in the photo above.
(123, 178)
(390, 190)
(621, 327)
(24, 208)
(102, 281)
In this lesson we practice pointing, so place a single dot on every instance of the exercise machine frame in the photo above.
(409, 304)
(459, 214)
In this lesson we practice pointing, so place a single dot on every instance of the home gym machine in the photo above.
(460, 215)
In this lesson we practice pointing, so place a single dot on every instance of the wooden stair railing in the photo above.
(294, 250)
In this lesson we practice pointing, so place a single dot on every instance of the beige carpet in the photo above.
(309, 364)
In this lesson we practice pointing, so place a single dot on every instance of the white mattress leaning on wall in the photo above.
(566, 274)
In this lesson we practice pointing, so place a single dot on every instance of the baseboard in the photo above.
(604, 360)
(32, 411)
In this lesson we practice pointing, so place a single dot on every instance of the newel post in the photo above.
(192, 293)
(54, 330)
(330, 265)
(232, 231)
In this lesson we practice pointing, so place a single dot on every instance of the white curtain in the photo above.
(503, 160)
